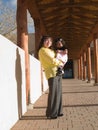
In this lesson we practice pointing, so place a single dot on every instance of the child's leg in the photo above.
(60, 71)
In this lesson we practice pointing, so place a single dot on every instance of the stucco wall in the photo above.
(13, 83)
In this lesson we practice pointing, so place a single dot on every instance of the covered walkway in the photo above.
(80, 107)
(76, 22)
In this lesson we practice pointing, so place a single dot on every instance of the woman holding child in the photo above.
(50, 64)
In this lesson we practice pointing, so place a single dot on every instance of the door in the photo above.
(68, 69)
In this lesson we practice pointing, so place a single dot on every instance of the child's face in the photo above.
(59, 44)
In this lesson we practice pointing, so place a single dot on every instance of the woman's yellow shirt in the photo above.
(49, 61)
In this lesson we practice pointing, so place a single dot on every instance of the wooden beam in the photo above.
(68, 4)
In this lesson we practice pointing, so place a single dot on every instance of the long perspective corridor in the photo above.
(80, 107)
(23, 83)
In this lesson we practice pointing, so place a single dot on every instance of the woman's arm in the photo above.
(48, 56)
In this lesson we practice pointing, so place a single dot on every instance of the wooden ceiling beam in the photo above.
(86, 22)
(68, 4)
(91, 11)
(72, 20)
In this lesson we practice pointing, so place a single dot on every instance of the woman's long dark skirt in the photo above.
(54, 106)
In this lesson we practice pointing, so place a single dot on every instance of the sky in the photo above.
(12, 4)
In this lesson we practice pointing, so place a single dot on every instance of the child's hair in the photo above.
(43, 39)
(59, 40)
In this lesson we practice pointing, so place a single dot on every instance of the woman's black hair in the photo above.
(43, 39)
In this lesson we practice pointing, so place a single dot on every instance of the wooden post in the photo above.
(88, 64)
(37, 35)
(84, 66)
(78, 68)
(96, 59)
(81, 67)
(22, 39)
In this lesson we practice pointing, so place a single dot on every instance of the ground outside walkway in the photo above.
(80, 108)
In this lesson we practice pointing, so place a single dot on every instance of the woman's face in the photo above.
(48, 43)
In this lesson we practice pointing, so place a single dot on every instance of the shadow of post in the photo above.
(18, 73)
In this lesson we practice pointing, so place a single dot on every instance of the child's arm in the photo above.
(65, 51)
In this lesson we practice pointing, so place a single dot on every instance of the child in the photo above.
(61, 53)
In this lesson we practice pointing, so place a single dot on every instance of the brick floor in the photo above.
(80, 107)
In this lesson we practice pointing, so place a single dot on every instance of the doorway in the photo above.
(68, 70)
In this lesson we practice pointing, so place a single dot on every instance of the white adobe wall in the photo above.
(35, 80)
(36, 89)
(13, 83)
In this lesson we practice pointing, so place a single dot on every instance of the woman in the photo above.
(50, 64)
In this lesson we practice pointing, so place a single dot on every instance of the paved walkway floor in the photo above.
(80, 107)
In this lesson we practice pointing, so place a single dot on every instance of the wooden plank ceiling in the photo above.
(73, 20)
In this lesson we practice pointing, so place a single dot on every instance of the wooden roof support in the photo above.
(88, 64)
(78, 68)
(84, 65)
(96, 58)
(38, 35)
(81, 67)
(22, 39)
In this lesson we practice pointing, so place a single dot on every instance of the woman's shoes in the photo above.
(60, 114)
(54, 117)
